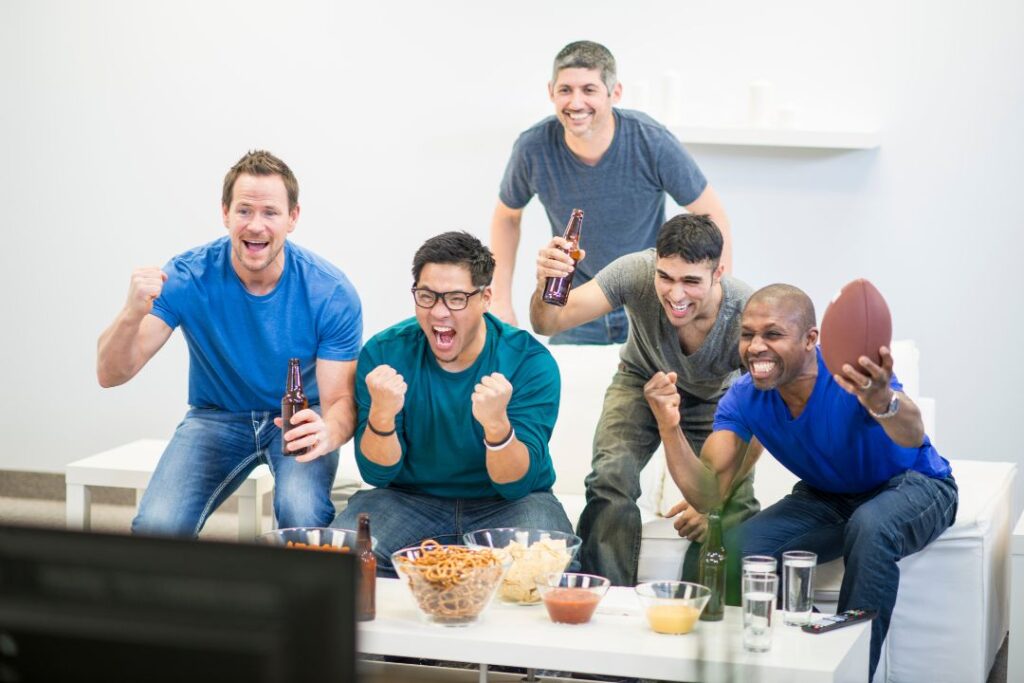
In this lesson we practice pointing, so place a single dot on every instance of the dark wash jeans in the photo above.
(210, 455)
(626, 437)
(608, 329)
(871, 531)
(400, 518)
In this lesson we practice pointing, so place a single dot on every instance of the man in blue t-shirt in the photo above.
(455, 409)
(246, 303)
(615, 164)
(872, 487)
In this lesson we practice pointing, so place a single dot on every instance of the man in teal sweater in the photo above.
(455, 409)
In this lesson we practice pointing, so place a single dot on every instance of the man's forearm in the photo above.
(382, 450)
(115, 351)
(340, 419)
(699, 484)
(543, 317)
(505, 234)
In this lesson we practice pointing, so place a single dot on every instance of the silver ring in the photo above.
(867, 386)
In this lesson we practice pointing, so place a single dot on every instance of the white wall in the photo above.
(119, 119)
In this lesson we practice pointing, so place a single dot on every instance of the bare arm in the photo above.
(709, 203)
(870, 384)
(387, 398)
(135, 335)
(505, 231)
(585, 303)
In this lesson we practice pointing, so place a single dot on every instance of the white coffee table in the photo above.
(616, 642)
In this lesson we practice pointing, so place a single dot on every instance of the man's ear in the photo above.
(812, 338)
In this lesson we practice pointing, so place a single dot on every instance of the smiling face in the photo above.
(455, 337)
(776, 348)
(687, 291)
(582, 102)
(258, 222)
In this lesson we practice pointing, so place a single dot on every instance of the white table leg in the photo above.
(248, 517)
(1015, 648)
(78, 502)
(483, 673)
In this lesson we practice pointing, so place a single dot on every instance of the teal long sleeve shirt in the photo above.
(442, 444)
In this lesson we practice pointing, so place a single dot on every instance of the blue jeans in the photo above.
(871, 531)
(400, 518)
(210, 455)
(608, 329)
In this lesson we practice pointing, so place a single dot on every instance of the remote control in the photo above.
(850, 616)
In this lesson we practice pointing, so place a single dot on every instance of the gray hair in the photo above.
(585, 54)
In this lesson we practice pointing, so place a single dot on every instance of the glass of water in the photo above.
(759, 564)
(758, 606)
(798, 586)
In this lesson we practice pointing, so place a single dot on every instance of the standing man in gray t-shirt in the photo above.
(684, 320)
(615, 164)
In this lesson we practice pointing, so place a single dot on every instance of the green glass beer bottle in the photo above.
(711, 568)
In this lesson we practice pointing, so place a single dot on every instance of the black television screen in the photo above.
(94, 607)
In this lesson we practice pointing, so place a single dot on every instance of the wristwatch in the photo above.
(891, 410)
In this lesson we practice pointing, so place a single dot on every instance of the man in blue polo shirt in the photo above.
(246, 303)
(455, 409)
(872, 487)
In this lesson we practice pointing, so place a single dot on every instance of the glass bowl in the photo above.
(571, 598)
(313, 538)
(533, 553)
(451, 584)
(672, 607)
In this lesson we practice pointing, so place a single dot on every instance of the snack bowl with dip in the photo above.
(533, 553)
(451, 584)
(571, 598)
(313, 538)
(672, 607)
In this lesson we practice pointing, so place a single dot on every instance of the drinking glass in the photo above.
(758, 606)
(759, 564)
(798, 586)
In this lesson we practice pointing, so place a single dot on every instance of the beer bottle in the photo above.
(556, 289)
(711, 568)
(367, 570)
(293, 401)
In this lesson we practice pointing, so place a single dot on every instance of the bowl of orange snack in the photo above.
(451, 584)
(672, 607)
(313, 538)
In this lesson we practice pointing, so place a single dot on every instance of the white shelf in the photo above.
(747, 136)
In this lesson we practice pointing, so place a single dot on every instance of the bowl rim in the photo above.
(573, 541)
(276, 533)
(703, 591)
(543, 581)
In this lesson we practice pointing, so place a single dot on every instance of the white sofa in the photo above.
(952, 612)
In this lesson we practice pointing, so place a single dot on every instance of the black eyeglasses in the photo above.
(455, 301)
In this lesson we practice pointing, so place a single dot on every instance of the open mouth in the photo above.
(761, 369)
(444, 337)
(679, 310)
(578, 116)
(255, 246)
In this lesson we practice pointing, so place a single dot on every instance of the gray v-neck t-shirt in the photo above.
(654, 344)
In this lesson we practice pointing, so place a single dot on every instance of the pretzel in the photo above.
(451, 583)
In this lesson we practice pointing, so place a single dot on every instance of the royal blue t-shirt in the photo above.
(834, 445)
(443, 452)
(239, 343)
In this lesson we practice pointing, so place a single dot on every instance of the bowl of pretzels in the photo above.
(451, 584)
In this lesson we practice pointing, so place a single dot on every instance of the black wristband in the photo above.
(498, 445)
(379, 432)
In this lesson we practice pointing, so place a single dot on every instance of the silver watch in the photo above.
(890, 411)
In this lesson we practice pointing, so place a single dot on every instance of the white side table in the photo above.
(131, 466)
(1015, 648)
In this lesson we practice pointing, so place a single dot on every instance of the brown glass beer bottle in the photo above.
(293, 401)
(367, 570)
(556, 289)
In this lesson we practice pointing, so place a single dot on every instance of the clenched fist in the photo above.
(490, 401)
(145, 287)
(553, 260)
(387, 395)
(663, 398)
(689, 522)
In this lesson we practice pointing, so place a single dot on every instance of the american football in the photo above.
(856, 323)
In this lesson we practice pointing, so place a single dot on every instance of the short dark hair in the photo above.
(260, 162)
(793, 299)
(457, 248)
(586, 54)
(693, 237)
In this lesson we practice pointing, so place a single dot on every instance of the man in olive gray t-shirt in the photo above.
(684, 328)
